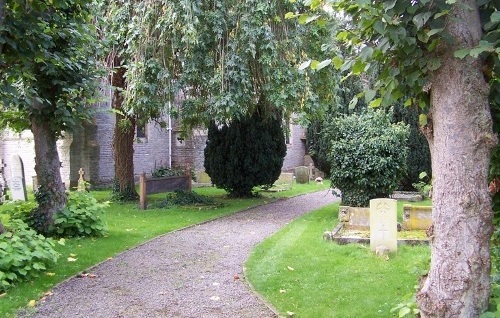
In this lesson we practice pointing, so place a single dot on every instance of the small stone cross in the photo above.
(81, 181)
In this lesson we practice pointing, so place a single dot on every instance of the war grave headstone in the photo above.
(383, 224)
(17, 181)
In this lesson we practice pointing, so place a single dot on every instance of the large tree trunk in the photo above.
(460, 139)
(123, 141)
(51, 196)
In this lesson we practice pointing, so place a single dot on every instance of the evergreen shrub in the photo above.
(245, 153)
(419, 156)
(318, 146)
(367, 155)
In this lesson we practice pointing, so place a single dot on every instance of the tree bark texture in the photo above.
(51, 196)
(461, 139)
(123, 140)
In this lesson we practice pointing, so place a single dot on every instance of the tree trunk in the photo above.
(460, 139)
(51, 196)
(123, 141)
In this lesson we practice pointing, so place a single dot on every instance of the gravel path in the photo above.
(195, 272)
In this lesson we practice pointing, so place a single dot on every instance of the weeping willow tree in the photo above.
(143, 40)
(244, 52)
(222, 56)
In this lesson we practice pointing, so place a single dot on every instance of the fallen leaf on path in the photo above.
(32, 303)
(45, 295)
(89, 275)
(236, 277)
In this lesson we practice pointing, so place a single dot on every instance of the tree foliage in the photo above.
(367, 155)
(47, 63)
(400, 43)
(244, 54)
(245, 153)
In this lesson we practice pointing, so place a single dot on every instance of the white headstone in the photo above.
(17, 181)
(383, 224)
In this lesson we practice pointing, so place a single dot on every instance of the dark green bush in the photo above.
(83, 216)
(246, 153)
(23, 253)
(367, 155)
(494, 308)
(419, 156)
(318, 146)
(345, 92)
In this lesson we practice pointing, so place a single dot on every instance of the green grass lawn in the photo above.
(297, 271)
(129, 227)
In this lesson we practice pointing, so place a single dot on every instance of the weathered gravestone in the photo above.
(17, 181)
(383, 224)
(355, 218)
(283, 183)
(302, 174)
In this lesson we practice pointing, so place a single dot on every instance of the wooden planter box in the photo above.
(160, 185)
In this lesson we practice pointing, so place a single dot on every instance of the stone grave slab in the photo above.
(383, 224)
(417, 217)
(283, 183)
(203, 177)
(17, 181)
(359, 219)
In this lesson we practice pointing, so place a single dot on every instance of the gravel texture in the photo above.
(194, 272)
